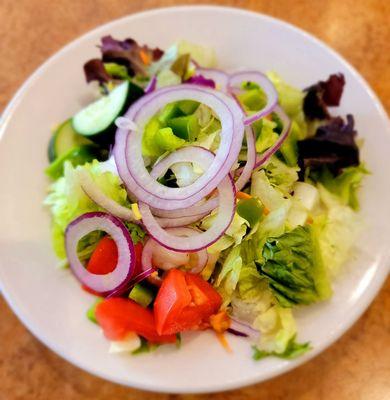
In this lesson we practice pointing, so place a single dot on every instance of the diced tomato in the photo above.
(118, 316)
(104, 258)
(173, 296)
(185, 301)
(138, 258)
(203, 294)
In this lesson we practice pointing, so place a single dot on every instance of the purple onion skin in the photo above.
(202, 81)
(122, 286)
(237, 333)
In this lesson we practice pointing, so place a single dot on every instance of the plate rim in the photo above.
(376, 284)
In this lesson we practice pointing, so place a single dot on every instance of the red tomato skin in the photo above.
(118, 316)
(104, 258)
(172, 297)
(138, 257)
(185, 301)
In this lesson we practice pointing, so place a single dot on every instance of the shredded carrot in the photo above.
(220, 322)
(145, 57)
(222, 339)
(309, 220)
(266, 211)
(243, 195)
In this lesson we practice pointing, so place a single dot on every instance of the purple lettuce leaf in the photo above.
(94, 71)
(334, 146)
(323, 94)
(125, 52)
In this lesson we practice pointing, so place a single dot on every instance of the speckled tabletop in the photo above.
(357, 367)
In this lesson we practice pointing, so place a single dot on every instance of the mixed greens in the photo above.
(187, 198)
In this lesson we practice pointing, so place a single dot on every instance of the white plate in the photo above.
(49, 301)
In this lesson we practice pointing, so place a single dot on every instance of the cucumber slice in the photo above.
(64, 139)
(97, 121)
(77, 156)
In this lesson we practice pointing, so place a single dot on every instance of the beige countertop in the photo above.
(357, 367)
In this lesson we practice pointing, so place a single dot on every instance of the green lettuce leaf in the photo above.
(266, 135)
(336, 231)
(229, 275)
(292, 350)
(233, 235)
(136, 232)
(204, 56)
(254, 303)
(67, 200)
(345, 185)
(270, 195)
(294, 269)
(281, 175)
(291, 100)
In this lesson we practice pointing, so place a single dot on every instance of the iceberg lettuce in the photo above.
(67, 200)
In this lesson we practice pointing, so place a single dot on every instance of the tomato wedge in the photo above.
(118, 316)
(184, 301)
(104, 258)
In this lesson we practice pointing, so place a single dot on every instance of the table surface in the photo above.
(358, 365)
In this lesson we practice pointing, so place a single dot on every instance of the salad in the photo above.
(190, 198)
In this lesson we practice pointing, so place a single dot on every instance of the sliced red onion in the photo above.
(152, 84)
(175, 259)
(125, 123)
(203, 207)
(185, 154)
(227, 203)
(220, 78)
(116, 280)
(237, 333)
(244, 328)
(138, 179)
(137, 279)
(266, 86)
(251, 159)
(181, 221)
(263, 158)
(93, 191)
(201, 81)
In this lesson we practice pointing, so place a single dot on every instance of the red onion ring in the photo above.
(264, 83)
(227, 203)
(178, 222)
(137, 279)
(137, 178)
(220, 78)
(263, 158)
(251, 159)
(116, 280)
(99, 197)
(152, 84)
(151, 245)
(244, 328)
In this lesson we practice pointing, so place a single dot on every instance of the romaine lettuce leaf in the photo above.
(294, 269)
